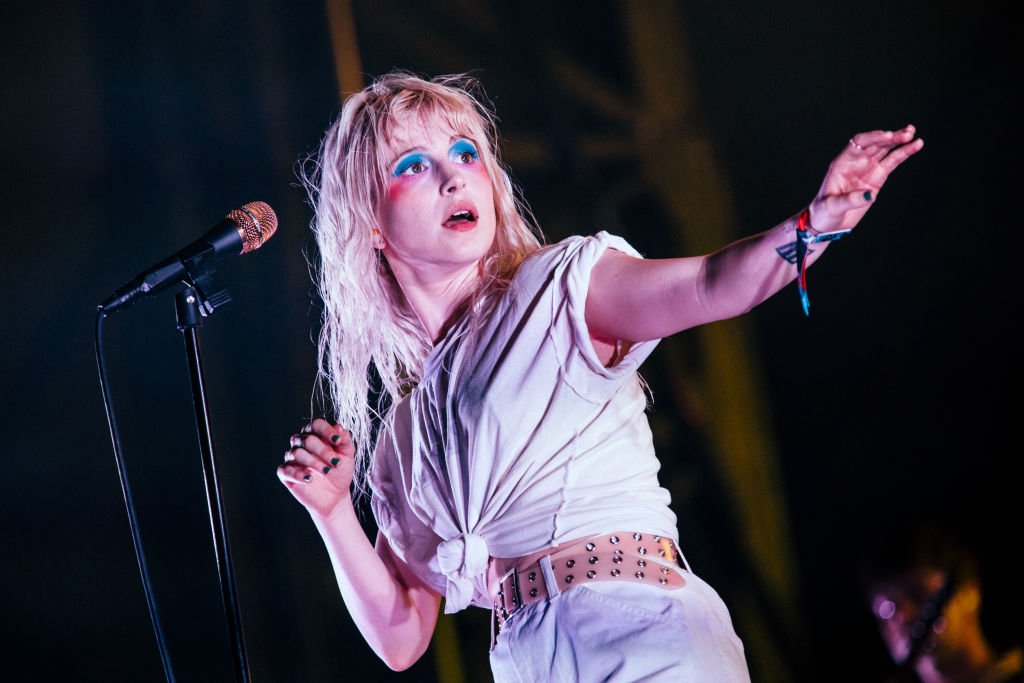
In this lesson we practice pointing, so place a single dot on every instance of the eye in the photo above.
(464, 152)
(410, 165)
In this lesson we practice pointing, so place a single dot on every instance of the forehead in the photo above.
(423, 128)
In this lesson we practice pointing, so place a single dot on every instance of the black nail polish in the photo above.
(335, 461)
(336, 438)
(307, 477)
(326, 470)
(867, 195)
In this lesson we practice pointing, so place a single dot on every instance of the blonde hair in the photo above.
(367, 324)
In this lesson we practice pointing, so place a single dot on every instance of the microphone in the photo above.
(243, 230)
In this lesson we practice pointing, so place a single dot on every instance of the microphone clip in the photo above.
(200, 275)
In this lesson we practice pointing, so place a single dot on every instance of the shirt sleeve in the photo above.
(573, 262)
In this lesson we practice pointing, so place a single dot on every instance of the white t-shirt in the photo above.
(518, 438)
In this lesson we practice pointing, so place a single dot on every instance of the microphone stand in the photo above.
(191, 304)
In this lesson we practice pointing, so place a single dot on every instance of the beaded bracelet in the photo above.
(796, 252)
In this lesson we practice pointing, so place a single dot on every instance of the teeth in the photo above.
(462, 215)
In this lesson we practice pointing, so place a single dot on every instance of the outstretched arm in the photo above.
(635, 299)
(394, 610)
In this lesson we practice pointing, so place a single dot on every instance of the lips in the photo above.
(461, 217)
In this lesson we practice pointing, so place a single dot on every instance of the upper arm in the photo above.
(635, 299)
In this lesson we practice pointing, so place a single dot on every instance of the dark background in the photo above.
(130, 128)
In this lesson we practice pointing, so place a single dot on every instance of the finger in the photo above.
(856, 143)
(900, 154)
(329, 432)
(864, 142)
(304, 457)
(292, 474)
(339, 438)
(320, 426)
(893, 139)
(317, 426)
(905, 134)
(877, 143)
(878, 149)
(838, 204)
(312, 443)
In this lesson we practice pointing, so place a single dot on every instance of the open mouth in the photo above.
(463, 218)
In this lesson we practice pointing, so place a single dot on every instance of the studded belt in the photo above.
(622, 556)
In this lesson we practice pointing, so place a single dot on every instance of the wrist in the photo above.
(805, 224)
(342, 507)
(806, 235)
(805, 228)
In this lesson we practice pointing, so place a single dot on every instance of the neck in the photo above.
(436, 297)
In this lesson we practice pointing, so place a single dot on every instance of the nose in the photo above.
(453, 180)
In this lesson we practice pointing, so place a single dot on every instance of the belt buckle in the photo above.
(515, 600)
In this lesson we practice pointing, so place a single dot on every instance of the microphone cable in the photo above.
(126, 491)
(243, 230)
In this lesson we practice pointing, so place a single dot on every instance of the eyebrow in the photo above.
(398, 157)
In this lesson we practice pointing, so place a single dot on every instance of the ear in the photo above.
(377, 239)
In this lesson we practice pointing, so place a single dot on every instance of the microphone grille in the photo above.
(256, 223)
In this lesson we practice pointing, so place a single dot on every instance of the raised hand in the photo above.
(318, 467)
(857, 174)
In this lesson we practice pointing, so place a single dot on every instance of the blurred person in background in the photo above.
(924, 589)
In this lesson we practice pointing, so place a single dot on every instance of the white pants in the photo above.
(610, 631)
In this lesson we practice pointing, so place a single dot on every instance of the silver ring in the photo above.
(858, 147)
